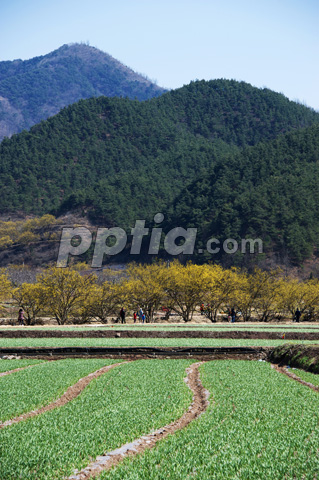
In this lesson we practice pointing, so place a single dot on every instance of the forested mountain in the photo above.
(235, 111)
(33, 90)
(269, 191)
(216, 155)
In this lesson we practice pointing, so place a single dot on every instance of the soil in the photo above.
(71, 393)
(234, 334)
(128, 353)
(110, 459)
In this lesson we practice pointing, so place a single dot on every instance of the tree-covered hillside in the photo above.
(269, 191)
(235, 111)
(121, 159)
(33, 90)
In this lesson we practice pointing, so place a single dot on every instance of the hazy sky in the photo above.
(271, 43)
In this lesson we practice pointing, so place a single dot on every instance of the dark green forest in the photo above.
(269, 191)
(223, 156)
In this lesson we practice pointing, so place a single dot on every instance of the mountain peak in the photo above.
(33, 90)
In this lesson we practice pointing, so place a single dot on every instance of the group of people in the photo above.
(139, 314)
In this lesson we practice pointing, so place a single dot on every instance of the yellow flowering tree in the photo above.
(144, 287)
(257, 294)
(31, 298)
(185, 286)
(222, 292)
(303, 295)
(264, 287)
(5, 290)
(66, 292)
(103, 301)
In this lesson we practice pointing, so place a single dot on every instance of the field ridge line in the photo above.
(295, 377)
(9, 372)
(70, 394)
(198, 406)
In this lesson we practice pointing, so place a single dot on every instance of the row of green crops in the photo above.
(37, 386)
(120, 406)
(296, 327)
(7, 365)
(260, 425)
(307, 376)
(143, 342)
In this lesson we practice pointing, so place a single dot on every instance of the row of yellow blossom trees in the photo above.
(23, 232)
(72, 295)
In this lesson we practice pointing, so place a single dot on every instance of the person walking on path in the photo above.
(140, 314)
(297, 315)
(122, 315)
(135, 316)
(233, 315)
(21, 317)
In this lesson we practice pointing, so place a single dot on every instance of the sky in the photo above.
(268, 43)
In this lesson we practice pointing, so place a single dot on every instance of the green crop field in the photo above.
(125, 403)
(37, 386)
(143, 342)
(6, 365)
(307, 376)
(259, 425)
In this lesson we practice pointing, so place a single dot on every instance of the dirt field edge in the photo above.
(305, 357)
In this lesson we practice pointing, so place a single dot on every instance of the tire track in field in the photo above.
(72, 392)
(8, 372)
(295, 377)
(110, 459)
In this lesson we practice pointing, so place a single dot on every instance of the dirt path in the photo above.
(292, 375)
(71, 393)
(110, 459)
(3, 374)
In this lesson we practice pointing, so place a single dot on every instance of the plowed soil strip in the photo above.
(3, 374)
(294, 377)
(110, 459)
(71, 393)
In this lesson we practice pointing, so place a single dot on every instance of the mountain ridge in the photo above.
(35, 89)
(222, 156)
